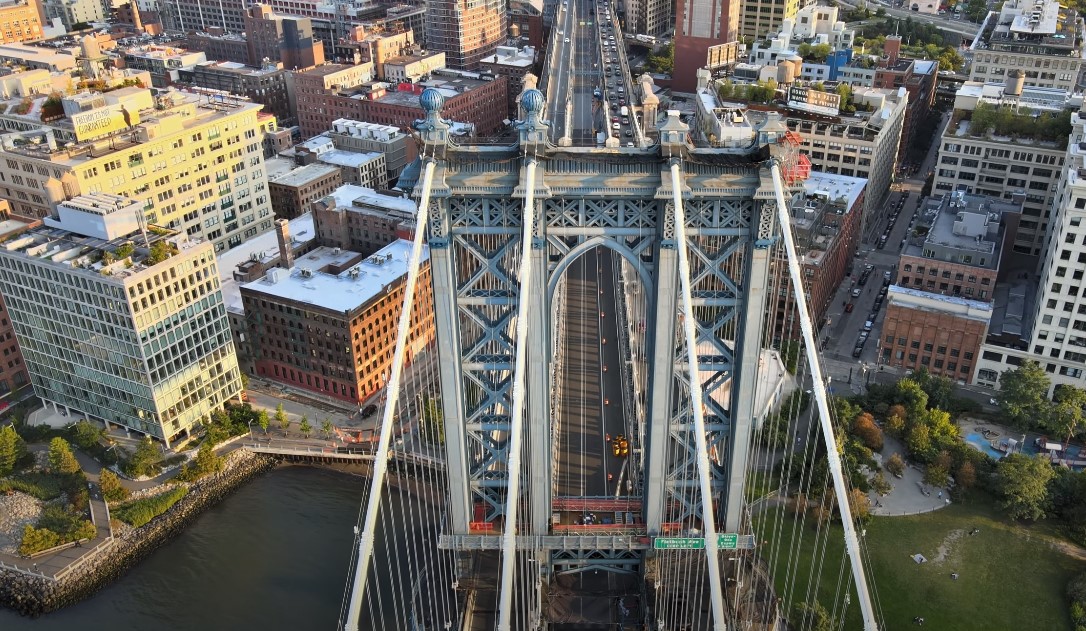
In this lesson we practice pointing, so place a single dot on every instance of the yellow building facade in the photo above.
(196, 163)
(763, 18)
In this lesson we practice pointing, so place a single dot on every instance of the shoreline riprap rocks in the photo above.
(34, 596)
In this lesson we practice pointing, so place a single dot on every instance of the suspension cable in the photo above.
(819, 385)
(708, 518)
(380, 463)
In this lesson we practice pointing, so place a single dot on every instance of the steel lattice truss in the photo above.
(481, 234)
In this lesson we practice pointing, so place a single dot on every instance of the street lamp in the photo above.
(250, 424)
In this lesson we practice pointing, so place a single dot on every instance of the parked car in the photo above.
(369, 410)
(856, 352)
(868, 324)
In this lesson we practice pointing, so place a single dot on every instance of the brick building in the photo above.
(468, 99)
(328, 323)
(266, 85)
(361, 219)
(939, 310)
(291, 194)
(826, 220)
(918, 77)
(514, 63)
(20, 21)
(281, 38)
(13, 373)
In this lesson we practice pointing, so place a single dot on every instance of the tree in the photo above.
(61, 458)
(1023, 482)
(895, 464)
(797, 504)
(881, 485)
(938, 472)
(810, 617)
(262, 420)
(327, 428)
(145, 461)
(205, 463)
(111, 486)
(1023, 394)
(895, 420)
(944, 433)
(939, 389)
(865, 429)
(1065, 415)
(9, 450)
(966, 478)
(85, 434)
(304, 426)
(433, 421)
(913, 398)
(860, 504)
(918, 442)
(281, 417)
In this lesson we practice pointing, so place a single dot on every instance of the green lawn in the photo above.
(1011, 576)
(761, 483)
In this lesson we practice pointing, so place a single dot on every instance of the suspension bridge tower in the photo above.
(600, 314)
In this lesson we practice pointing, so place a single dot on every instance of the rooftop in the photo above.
(360, 197)
(1038, 99)
(835, 187)
(234, 67)
(348, 159)
(916, 298)
(304, 175)
(1009, 123)
(100, 233)
(1039, 27)
(817, 212)
(313, 280)
(512, 56)
(961, 226)
(175, 113)
(264, 248)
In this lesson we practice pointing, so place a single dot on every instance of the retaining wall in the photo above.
(32, 596)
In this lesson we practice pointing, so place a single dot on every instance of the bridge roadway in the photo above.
(591, 405)
(579, 67)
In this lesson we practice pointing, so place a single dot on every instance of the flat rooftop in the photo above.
(1036, 98)
(304, 175)
(966, 307)
(344, 292)
(360, 197)
(264, 248)
(351, 159)
(835, 187)
(1039, 27)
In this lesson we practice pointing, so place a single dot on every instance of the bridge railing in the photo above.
(558, 333)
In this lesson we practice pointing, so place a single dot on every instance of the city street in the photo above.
(839, 335)
(591, 405)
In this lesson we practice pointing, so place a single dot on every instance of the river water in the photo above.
(272, 556)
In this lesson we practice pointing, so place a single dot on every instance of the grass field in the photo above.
(1010, 576)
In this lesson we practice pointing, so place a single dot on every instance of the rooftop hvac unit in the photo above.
(306, 272)
(337, 251)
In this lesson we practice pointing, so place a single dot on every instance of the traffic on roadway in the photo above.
(596, 439)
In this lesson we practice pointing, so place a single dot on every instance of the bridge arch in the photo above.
(600, 240)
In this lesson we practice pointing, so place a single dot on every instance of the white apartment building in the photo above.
(1038, 37)
(120, 323)
(1001, 165)
(1045, 320)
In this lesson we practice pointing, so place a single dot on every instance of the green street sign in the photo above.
(679, 543)
(728, 541)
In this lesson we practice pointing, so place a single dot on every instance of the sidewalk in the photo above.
(906, 497)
